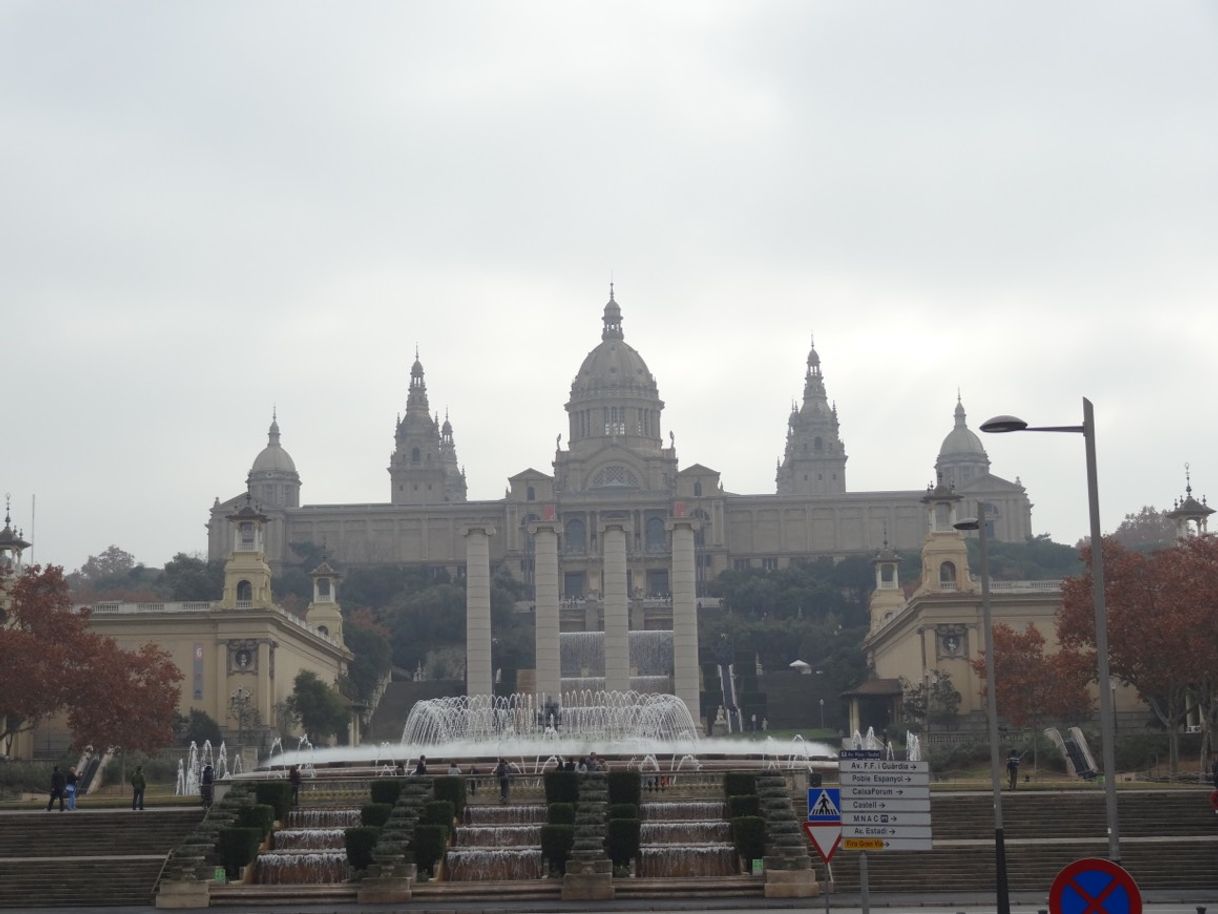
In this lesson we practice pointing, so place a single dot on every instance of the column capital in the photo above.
(610, 522)
(467, 529)
(673, 523)
(544, 526)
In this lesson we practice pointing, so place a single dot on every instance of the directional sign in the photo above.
(881, 764)
(885, 831)
(886, 844)
(858, 792)
(886, 804)
(886, 818)
(1094, 886)
(885, 779)
(824, 837)
(825, 804)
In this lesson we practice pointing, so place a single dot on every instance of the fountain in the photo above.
(310, 849)
(497, 842)
(685, 839)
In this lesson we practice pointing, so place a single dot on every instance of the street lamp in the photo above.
(1104, 681)
(991, 706)
(822, 714)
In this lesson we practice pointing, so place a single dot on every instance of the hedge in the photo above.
(386, 790)
(277, 794)
(374, 815)
(360, 841)
(438, 812)
(429, 844)
(261, 817)
(625, 787)
(451, 788)
(747, 805)
(562, 787)
(739, 783)
(238, 846)
(623, 811)
(556, 842)
(561, 814)
(622, 840)
(748, 835)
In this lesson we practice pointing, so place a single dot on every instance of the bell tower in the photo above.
(247, 576)
(814, 462)
(944, 551)
(324, 613)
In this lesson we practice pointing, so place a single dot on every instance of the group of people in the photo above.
(590, 762)
(63, 789)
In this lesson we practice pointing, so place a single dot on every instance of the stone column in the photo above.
(684, 615)
(479, 677)
(545, 599)
(617, 615)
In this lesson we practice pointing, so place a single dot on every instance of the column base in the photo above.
(193, 893)
(790, 884)
(587, 887)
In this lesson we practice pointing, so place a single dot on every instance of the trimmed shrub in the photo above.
(623, 811)
(562, 787)
(386, 790)
(261, 817)
(739, 783)
(374, 815)
(360, 842)
(748, 805)
(556, 842)
(238, 846)
(438, 812)
(625, 787)
(748, 835)
(561, 814)
(622, 840)
(277, 794)
(429, 844)
(451, 788)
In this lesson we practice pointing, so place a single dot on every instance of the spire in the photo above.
(959, 410)
(612, 318)
(416, 399)
(272, 436)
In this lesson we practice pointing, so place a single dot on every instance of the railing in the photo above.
(1026, 586)
(133, 609)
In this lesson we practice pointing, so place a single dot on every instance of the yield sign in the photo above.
(824, 837)
(1094, 886)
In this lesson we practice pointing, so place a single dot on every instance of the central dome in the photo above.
(613, 368)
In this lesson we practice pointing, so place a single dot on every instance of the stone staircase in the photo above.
(1169, 840)
(86, 858)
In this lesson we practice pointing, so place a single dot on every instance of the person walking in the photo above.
(420, 767)
(70, 788)
(1013, 760)
(207, 788)
(138, 783)
(504, 774)
(294, 780)
(59, 785)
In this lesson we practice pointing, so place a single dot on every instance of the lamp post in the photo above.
(991, 707)
(1104, 680)
(822, 714)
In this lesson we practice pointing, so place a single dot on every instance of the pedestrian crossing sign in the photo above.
(824, 804)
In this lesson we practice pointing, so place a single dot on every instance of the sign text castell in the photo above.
(885, 803)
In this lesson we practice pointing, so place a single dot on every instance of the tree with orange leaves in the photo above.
(1032, 688)
(51, 661)
(1162, 627)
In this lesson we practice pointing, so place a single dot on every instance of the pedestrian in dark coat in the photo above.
(59, 785)
(138, 783)
(70, 789)
(294, 780)
(1013, 761)
(207, 789)
(503, 773)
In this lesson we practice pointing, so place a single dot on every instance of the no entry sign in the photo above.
(1094, 886)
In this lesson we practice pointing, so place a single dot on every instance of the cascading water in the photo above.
(310, 850)
(685, 839)
(497, 842)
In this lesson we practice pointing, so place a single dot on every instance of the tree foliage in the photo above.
(1033, 688)
(318, 706)
(1147, 530)
(933, 702)
(190, 578)
(368, 641)
(54, 663)
(1162, 626)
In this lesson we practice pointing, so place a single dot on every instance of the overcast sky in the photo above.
(207, 209)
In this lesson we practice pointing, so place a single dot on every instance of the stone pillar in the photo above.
(479, 677)
(545, 599)
(684, 615)
(617, 610)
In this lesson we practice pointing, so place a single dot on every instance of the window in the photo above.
(947, 576)
(530, 494)
(657, 536)
(817, 444)
(323, 630)
(245, 591)
(698, 488)
(769, 564)
(247, 534)
(573, 584)
(414, 455)
(575, 536)
(741, 564)
(323, 588)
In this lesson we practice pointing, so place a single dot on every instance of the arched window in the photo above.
(947, 576)
(657, 536)
(575, 537)
(698, 489)
(325, 631)
(245, 591)
(414, 455)
(323, 588)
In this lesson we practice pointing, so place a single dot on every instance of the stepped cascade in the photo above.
(685, 839)
(497, 842)
(582, 659)
(310, 850)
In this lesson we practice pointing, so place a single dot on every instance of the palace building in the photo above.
(618, 463)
